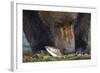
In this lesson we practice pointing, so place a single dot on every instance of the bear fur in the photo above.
(67, 31)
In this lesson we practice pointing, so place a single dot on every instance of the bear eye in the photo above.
(71, 22)
(58, 24)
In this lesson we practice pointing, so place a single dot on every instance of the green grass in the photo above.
(28, 57)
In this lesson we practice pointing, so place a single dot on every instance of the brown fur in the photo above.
(61, 24)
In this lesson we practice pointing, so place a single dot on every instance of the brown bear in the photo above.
(66, 31)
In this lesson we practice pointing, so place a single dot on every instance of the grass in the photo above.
(28, 57)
